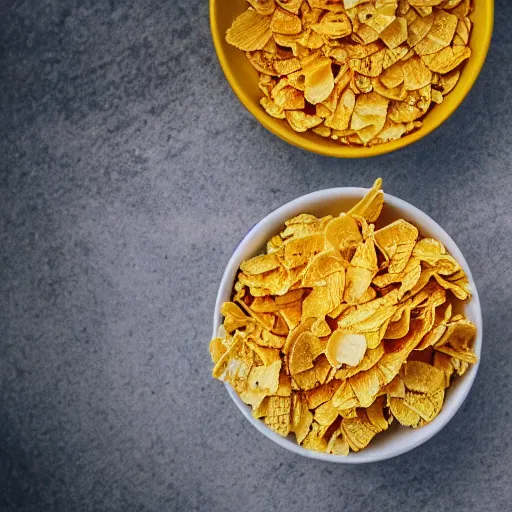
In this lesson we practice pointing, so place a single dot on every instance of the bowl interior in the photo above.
(397, 439)
(243, 78)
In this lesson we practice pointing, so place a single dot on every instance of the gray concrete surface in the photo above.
(128, 173)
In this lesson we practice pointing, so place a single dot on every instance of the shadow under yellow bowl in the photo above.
(243, 79)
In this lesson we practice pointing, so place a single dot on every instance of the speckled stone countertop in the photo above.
(129, 172)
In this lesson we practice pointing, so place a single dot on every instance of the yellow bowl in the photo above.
(243, 79)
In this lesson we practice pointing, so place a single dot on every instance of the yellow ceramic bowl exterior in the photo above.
(243, 79)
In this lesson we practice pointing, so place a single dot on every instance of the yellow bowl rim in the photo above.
(345, 151)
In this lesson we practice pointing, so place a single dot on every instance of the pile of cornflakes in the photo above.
(339, 327)
(361, 72)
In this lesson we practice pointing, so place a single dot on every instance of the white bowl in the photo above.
(397, 439)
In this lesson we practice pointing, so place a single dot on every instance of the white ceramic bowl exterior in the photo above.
(396, 440)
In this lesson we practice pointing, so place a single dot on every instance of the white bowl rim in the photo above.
(423, 434)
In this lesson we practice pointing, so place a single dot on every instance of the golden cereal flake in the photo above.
(364, 34)
(293, 335)
(289, 98)
(369, 316)
(357, 433)
(324, 299)
(284, 22)
(322, 394)
(405, 416)
(397, 93)
(299, 250)
(370, 66)
(250, 31)
(340, 118)
(450, 4)
(321, 328)
(334, 25)
(371, 205)
(328, 5)
(393, 360)
(358, 281)
(423, 10)
(394, 389)
(443, 362)
(302, 417)
(422, 377)
(376, 414)
(217, 349)
(371, 358)
(464, 355)
(260, 264)
(292, 6)
(286, 67)
(461, 292)
(322, 130)
(396, 241)
(461, 9)
(303, 352)
(366, 385)
(348, 4)
(305, 380)
(300, 121)
(447, 59)
(393, 76)
(416, 74)
(263, 7)
(278, 416)
(361, 271)
(325, 414)
(285, 384)
(378, 17)
(314, 440)
(460, 335)
(393, 55)
(418, 28)
(337, 444)
(321, 266)
(373, 338)
(266, 354)
(400, 328)
(343, 232)
(234, 317)
(462, 32)
(322, 369)
(395, 33)
(425, 3)
(265, 378)
(427, 406)
(319, 79)
(270, 340)
(344, 397)
(272, 109)
(370, 111)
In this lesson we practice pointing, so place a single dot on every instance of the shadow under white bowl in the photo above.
(397, 439)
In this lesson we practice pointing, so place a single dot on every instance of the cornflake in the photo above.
(360, 72)
(341, 327)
